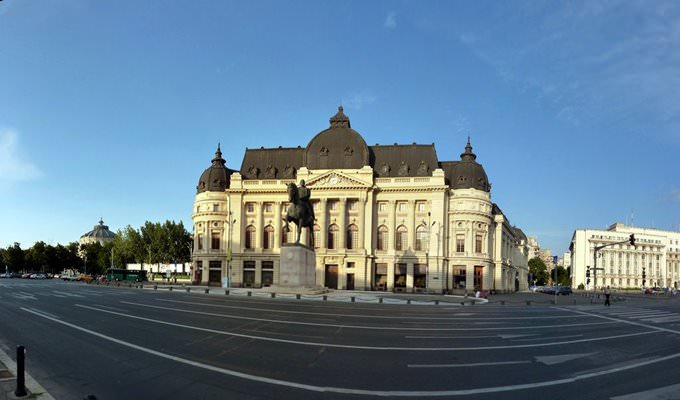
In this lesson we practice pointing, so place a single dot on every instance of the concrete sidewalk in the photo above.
(8, 371)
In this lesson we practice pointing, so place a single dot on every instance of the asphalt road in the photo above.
(128, 343)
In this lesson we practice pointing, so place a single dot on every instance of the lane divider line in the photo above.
(341, 390)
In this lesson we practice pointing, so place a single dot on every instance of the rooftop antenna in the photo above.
(632, 217)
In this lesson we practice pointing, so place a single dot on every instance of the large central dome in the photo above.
(339, 146)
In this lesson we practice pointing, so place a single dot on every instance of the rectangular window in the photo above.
(215, 238)
(382, 206)
(267, 273)
(459, 278)
(250, 207)
(402, 207)
(315, 205)
(420, 206)
(352, 205)
(268, 207)
(199, 239)
(249, 273)
(216, 207)
(350, 265)
(478, 243)
(460, 243)
(332, 205)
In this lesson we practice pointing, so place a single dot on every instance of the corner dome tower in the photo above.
(339, 146)
(468, 174)
(216, 177)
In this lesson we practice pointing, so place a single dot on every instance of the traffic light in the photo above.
(588, 281)
(643, 276)
(631, 239)
(588, 273)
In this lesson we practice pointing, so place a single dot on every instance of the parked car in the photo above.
(6, 275)
(85, 278)
(653, 290)
(564, 290)
(548, 290)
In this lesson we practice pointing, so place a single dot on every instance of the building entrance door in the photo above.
(479, 277)
(331, 280)
(350, 281)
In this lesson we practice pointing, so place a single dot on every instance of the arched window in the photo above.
(333, 237)
(352, 237)
(268, 237)
(285, 232)
(317, 236)
(421, 238)
(382, 238)
(401, 241)
(250, 237)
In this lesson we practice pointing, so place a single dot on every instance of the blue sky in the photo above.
(114, 109)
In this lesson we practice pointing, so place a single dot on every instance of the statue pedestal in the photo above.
(297, 267)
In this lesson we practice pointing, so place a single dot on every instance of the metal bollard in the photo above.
(297, 296)
(188, 289)
(207, 291)
(502, 302)
(170, 288)
(408, 301)
(273, 295)
(528, 302)
(436, 302)
(380, 300)
(21, 379)
(155, 287)
(325, 297)
(250, 293)
(226, 292)
(353, 299)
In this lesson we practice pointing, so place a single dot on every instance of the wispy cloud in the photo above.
(675, 195)
(391, 20)
(13, 167)
(592, 60)
(359, 100)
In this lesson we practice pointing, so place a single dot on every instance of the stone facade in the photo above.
(387, 218)
(657, 251)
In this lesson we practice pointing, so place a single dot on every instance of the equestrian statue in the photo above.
(300, 210)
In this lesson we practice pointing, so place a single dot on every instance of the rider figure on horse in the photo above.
(305, 194)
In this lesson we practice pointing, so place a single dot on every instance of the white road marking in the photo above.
(331, 389)
(548, 337)
(471, 337)
(232, 316)
(558, 359)
(346, 346)
(624, 321)
(453, 317)
(487, 364)
(67, 294)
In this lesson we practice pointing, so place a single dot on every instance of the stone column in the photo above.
(323, 223)
(469, 278)
(409, 277)
(392, 226)
(342, 223)
(361, 224)
(411, 224)
(259, 225)
(277, 226)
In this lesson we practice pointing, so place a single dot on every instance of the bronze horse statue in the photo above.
(300, 211)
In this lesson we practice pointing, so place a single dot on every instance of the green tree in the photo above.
(14, 257)
(538, 270)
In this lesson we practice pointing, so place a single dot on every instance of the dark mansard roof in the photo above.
(216, 177)
(341, 147)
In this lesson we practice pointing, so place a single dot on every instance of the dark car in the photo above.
(564, 290)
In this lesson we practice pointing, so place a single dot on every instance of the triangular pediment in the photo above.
(335, 179)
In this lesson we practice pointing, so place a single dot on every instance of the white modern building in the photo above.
(388, 217)
(656, 254)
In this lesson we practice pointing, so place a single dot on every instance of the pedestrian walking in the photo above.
(607, 293)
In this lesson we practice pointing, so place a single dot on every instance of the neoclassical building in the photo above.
(388, 217)
(656, 253)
